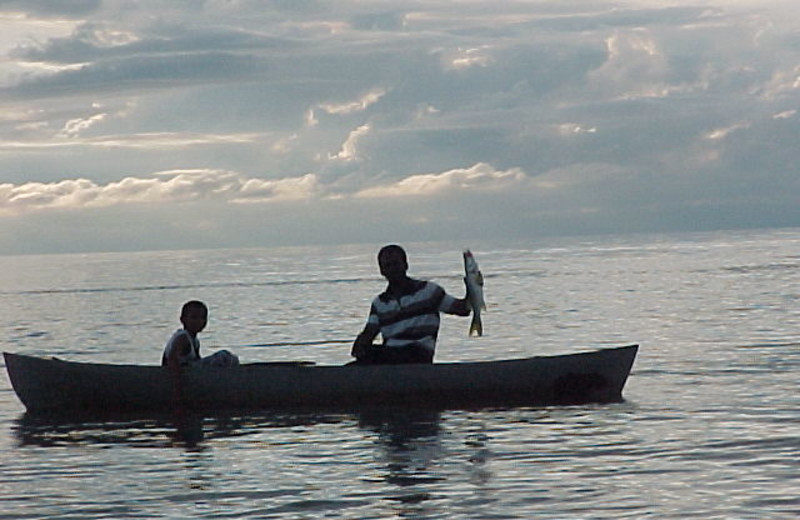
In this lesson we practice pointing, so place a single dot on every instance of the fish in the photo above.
(474, 281)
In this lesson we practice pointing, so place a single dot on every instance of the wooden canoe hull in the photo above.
(53, 385)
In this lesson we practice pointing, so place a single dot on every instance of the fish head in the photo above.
(467, 257)
(469, 261)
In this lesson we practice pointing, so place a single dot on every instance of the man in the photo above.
(406, 315)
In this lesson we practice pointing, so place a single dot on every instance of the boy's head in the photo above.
(194, 316)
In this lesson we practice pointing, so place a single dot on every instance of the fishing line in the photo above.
(293, 344)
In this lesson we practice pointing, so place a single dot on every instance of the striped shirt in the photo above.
(413, 318)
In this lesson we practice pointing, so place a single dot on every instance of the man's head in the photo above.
(392, 262)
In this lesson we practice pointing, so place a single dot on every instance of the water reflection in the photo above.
(153, 431)
(410, 444)
(407, 443)
(188, 431)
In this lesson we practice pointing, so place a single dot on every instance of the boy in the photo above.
(183, 348)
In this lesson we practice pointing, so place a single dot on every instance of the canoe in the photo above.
(55, 385)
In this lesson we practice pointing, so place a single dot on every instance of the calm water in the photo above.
(710, 428)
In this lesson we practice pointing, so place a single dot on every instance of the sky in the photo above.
(139, 125)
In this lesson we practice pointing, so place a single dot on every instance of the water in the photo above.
(710, 427)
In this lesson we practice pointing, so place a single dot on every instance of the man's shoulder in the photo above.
(419, 285)
(414, 287)
(431, 285)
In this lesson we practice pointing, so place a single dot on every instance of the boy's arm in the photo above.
(180, 348)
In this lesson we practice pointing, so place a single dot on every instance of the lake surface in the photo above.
(710, 427)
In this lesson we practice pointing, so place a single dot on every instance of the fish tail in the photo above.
(476, 325)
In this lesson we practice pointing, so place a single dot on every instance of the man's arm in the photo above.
(457, 306)
(364, 339)
(460, 307)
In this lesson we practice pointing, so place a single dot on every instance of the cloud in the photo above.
(48, 8)
(162, 188)
(537, 112)
(722, 133)
(480, 177)
(462, 58)
(635, 66)
(289, 189)
(181, 186)
(786, 114)
(75, 127)
(346, 108)
(358, 105)
(349, 151)
(149, 72)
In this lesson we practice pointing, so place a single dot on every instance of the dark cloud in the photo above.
(51, 8)
(620, 116)
(132, 74)
(87, 44)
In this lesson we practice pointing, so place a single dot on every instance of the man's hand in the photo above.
(362, 343)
